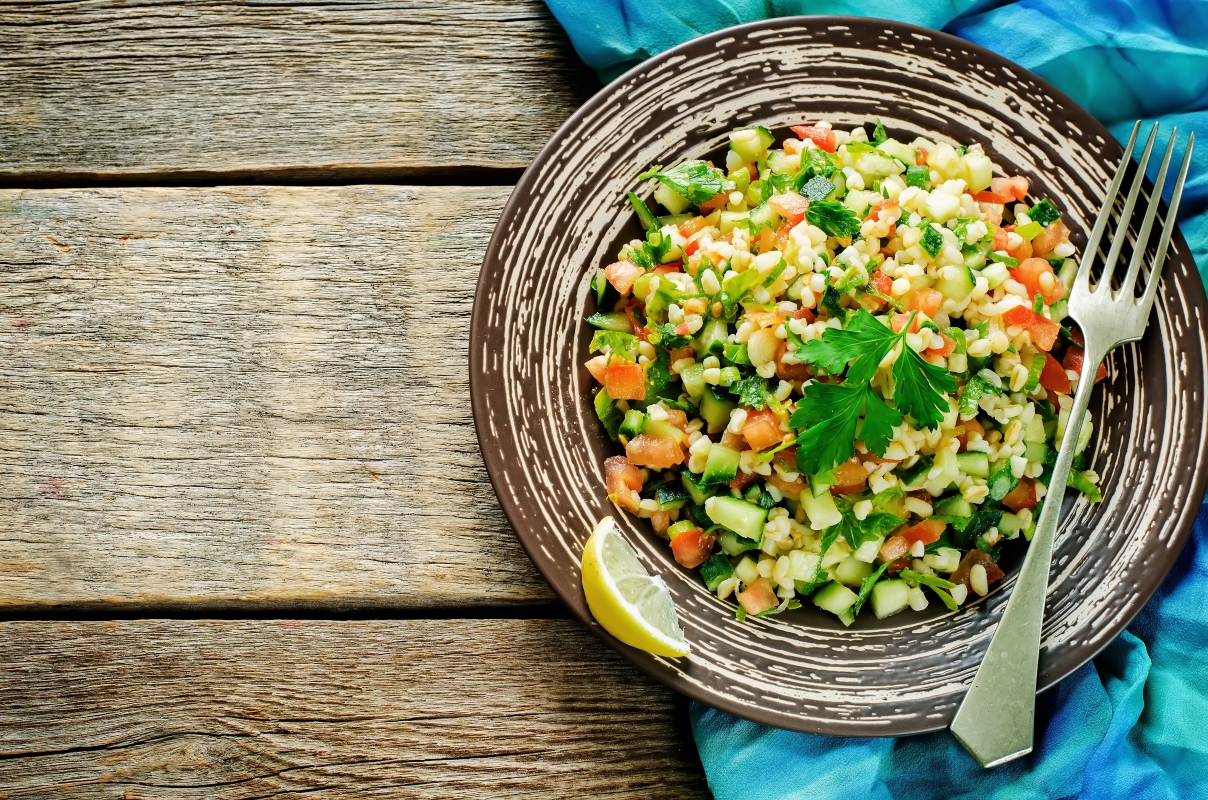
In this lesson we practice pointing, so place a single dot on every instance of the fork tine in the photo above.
(1113, 255)
(1092, 243)
(1155, 273)
(1128, 285)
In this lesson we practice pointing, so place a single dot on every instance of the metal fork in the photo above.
(995, 722)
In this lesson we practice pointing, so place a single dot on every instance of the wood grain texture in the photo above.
(174, 90)
(246, 398)
(415, 709)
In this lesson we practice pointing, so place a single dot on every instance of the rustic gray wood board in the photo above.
(416, 709)
(246, 398)
(174, 90)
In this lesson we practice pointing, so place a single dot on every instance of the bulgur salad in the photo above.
(838, 368)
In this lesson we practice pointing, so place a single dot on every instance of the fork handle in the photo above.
(995, 722)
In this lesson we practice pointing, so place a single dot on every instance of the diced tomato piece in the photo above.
(991, 213)
(1016, 187)
(691, 247)
(1031, 272)
(1000, 239)
(805, 314)
(759, 597)
(924, 301)
(766, 319)
(762, 429)
(715, 202)
(625, 381)
(1074, 357)
(782, 235)
(667, 269)
(1022, 496)
(638, 329)
(971, 559)
(850, 476)
(693, 226)
(691, 548)
(1043, 331)
(622, 275)
(787, 371)
(656, 452)
(788, 458)
(920, 157)
(971, 427)
(943, 352)
(743, 480)
(792, 488)
(927, 531)
(791, 146)
(1044, 242)
(792, 206)
(1019, 252)
(899, 321)
(991, 197)
(823, 137)
(1053, 377)
(622, 479)
(894, 548)
(660, 521)
(881, 282)
(597, 367)
(883, 205)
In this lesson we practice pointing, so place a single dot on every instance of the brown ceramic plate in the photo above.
(544, 446)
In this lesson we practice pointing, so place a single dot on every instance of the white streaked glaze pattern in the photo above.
(544, 447)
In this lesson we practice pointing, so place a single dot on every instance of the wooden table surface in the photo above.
(248, 547)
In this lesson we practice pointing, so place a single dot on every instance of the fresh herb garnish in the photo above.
(828, 416)
(667, 336)
(835, 219)
(695, 180)
(932, 241)
(866, 587)
(878, 133)
(752, 392)
(623, 345)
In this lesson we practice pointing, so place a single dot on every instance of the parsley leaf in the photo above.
(695, 180)
(878, 133)
(920, 387)
(830, 301)
(751, 392)
(1045, 213)
(859, 147)
(735, 289)
(827, 417)
(658, 376)
(814, 162)
(932, 241)
(835, 219)
(668, 337)
(866, 587)
(864, 343)
(623, 345)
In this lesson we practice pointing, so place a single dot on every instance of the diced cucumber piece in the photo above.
(852, 571)
(1084, 435)
(1029, 231)
(728, 376)
(975, 464)
(820, 484)
(1034, 430)
(956, 506)
(730, 220)
(662, 429)
(612, 321)
(868, 551)
(745, 519)
(716, 569)
(1010, 524)
(676, 220)
(950, 471)
(697, 491)
(1035, 451)
(889, 597)
(721, 466)
(778, 162)
(837, 599)
(980, 172)
(902, 152)
(741, 178)
(633, 423)
(732, 544)
(736, 354)
(693, 379)
(945, 559)
(803, 566)
(996, 274)
(1035, 367)
(670, 496)
(1002, 481)
(763, 216)
(914, 477)
(715, 411)
(683, 526)
(766, 138)
(672, 200)
(957, 288)
(840, 182)
(747, 570)
(977, 258)
(748, 144)
(821, 510)
(711, 339)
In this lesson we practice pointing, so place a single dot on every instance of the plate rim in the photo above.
(494, 461)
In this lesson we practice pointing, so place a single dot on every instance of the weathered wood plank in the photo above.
(416, 709)
(191, 90)
(246, 397)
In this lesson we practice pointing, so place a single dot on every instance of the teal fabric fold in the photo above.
(1129, 725)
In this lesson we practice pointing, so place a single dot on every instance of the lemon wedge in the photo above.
(628, 601)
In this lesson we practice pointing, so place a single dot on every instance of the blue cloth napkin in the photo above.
(1132, 724)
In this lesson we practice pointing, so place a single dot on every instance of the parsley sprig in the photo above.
(695, 180)
(828, 416)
